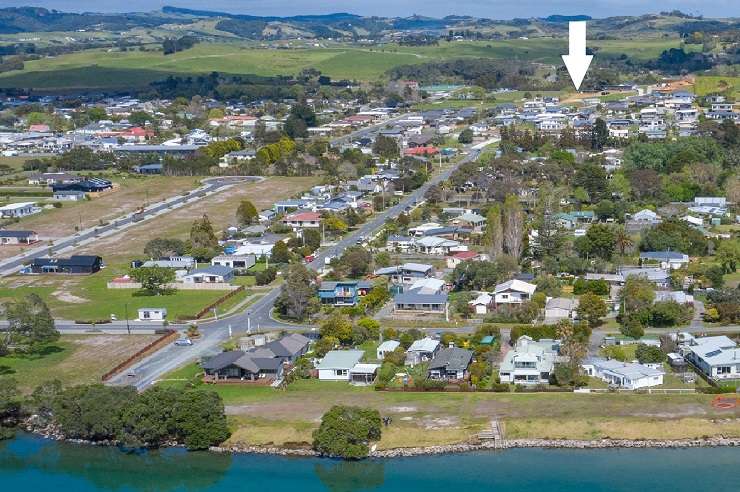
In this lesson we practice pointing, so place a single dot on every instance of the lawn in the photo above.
(73, 359)
(711, 84)
(88, 298)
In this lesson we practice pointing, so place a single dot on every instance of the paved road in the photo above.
(214, 333)
(11, 265)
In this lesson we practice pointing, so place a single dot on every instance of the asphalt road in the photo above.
(259, 314)
(12, 265)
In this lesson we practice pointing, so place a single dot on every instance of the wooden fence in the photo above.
(218, 302)
(165, 339)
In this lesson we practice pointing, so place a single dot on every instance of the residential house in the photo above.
(387, 347)
(240, 262)
(433, 245)
(74, 265)
(473, 221)
(424, 296)
(18, 238)
(262, 362)
(450, 363)
(174, 262)
(214, 274)
(258, 249)
(69, 195)
(399, 243)
(658, 276)
(559, 308)
(627, 375)
(303, 220)
(407, 273)
(421, 351)
(337, 364)
(152, 314)
(482, 303)
(513, 292)
(343, 293)
(457, 258)
(717, 357)
(671, 260)
(18, 210)
(676, 296)
(529, 362)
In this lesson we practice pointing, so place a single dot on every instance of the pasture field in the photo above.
(112, 69)
(710, 84)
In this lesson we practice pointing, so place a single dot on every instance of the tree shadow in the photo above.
(5, 370)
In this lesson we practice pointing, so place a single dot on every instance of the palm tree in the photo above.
(622, 240)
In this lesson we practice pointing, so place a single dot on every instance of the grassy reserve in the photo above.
(262, 415)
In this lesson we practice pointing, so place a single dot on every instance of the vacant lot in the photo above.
(73, 359)
(220, 208)
(717, 84)
(132, 193)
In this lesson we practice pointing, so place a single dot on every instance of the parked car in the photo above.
(183, 342)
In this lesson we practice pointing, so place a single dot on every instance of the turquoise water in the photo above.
(32, 464)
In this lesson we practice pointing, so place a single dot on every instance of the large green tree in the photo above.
(30, 325)
(346, 432)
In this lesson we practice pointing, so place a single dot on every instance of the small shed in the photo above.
(152, 314)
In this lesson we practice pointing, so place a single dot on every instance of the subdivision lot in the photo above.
(73, 359)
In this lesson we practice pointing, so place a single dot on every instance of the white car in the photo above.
(183, 342)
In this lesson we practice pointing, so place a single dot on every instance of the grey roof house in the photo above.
(450, 363)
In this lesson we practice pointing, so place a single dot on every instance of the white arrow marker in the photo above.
(577, 61)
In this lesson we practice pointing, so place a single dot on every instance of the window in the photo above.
(723, 370)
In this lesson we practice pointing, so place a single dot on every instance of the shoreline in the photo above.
(51, 433)
(490, 446)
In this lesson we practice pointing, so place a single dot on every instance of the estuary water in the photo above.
(29, 463)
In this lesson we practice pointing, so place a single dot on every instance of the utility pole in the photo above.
(128, 327)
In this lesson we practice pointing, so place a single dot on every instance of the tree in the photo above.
(30, 325)
(335, 224)
(591, 308)
(154, 279)
(494, 233)
(649, 354)
(599, 134)
(573, 348)
(592, 178)
(297, 297)
(356, 261)
(346, 432)
(199, 419)
(203, 240)
(513, 226)
(466, 136)
(337, 326)
(622, 240)
(324, 345)
(598, 241)
(728, 255)
(280, 253)
(164, 248)
(10, 405)
(92, 412)
(386, 147)
(246, 213)
(674, 235)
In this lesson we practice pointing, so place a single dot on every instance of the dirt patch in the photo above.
(68, 297)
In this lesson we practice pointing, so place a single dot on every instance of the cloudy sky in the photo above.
(495, 9)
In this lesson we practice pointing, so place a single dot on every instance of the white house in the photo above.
(234, 261)
(422, 351)
(623, 374)
(557, 308)
(529, 362)
(16, 210)
(152, 314)
(433, 245)
(259, 249)
(337, 364)
(645, 215)
(214, 274)
(481, 303)
(513, 292)
(387, 347)
(717, 357)
(668, 259)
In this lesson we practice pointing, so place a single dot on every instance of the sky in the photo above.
(494, 9)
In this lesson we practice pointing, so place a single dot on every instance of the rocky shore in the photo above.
(48, 431)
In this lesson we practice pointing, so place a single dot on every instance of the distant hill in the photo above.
(346, 25)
